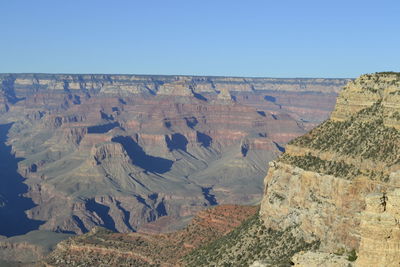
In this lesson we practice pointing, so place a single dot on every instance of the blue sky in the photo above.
(234, 38)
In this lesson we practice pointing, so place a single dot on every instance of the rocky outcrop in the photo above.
(224, 94)
(320, 185)
(109, 152)
(311, 200)
(366, 91)
(380, 231)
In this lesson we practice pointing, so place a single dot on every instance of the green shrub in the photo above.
(352, 255)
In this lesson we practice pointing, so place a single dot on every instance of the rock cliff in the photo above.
(335, 184)
(379, 230)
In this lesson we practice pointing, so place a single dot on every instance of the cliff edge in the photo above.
(338, 184)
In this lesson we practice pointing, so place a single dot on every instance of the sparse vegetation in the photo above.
(106, 248)
(396, 115)
(363, 135)
(335, 168)
(389, 73)
(311, 163)
(250, 242)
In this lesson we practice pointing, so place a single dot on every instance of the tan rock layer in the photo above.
(367, 90)
(325, 207)
(329, 208)
(380, 230)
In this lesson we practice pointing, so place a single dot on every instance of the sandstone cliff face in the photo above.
(320, 185)
(380, 231)
(366, 91)
(324, 206)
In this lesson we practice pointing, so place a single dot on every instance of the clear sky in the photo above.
(277, 38)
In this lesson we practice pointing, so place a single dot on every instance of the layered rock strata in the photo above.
(380, 230)
(322, 184)
(120, 151)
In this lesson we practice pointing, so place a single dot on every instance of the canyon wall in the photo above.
(338, 183)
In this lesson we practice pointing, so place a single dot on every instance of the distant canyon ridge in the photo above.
(142, 152)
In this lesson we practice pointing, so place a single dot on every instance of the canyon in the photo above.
(330, 199)
(141, 152)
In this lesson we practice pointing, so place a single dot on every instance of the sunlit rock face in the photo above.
(337, 183)
(379, 230)
(120, 151)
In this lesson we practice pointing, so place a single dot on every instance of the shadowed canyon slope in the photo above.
(120, 151)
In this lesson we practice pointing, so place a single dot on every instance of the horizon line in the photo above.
(172, 75)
